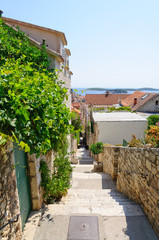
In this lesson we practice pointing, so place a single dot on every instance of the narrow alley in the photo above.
(93, 210)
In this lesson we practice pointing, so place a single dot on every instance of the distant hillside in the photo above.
(148, 89)
(123, 90)
(96, 89)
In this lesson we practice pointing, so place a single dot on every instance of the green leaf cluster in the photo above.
(15, 45)
(32, 104)
(152, 120)
(76, 124)
(97, 148)
(112, 109)
(56, 185)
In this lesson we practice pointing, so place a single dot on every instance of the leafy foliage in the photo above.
(31, 103)
(76, 124)
(6, 138)
(112, 109)
(152, 136)
(56, 186)
(152, 120)
(15, 45)
(32, 106)
(98, 109)
(97, 148)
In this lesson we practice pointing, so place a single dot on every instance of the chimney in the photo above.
(43, 41)
(1, 13)
(107, 93)
(135, 101)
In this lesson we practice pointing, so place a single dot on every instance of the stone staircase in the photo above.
(93, 196)
(93, 193)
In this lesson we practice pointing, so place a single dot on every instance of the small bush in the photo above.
(113, 109)
(152, 120)
(97, 148)
(152, 136)
(55, 186)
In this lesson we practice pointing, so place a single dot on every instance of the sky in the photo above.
(113, 43)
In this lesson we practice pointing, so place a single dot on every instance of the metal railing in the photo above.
(13, 220)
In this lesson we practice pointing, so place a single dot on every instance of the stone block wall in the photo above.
(110, 161)
(74, 159)
(9, 200)
(137, 173)
(138, 178)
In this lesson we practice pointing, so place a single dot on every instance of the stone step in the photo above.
(94, 192)
(83, 168)
(121, 210)
(95, 199)
(97, 203)
(77, 183)
(86, 160)
(91, 175)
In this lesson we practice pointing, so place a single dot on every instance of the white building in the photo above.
(114, 127)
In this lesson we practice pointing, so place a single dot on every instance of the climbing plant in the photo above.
(33, 112)
(32, 105)
(56, 185)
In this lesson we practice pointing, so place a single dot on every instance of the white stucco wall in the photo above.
(114, 127)
(52, 40)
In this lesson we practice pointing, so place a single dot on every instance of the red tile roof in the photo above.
(76, 104)
(103, 99)
(142, 99)
(129, 101)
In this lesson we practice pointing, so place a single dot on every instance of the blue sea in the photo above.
(84, 91)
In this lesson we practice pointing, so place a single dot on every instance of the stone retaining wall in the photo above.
(139, 180)
(110, 161)
(137, 173)
(74, 159)
(9, 200)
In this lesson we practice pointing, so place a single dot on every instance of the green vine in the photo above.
(32, 105)
(56, 186)
(76, 124)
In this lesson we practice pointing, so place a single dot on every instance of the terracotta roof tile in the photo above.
(142, 98)
(102, 99)
(76, 104)
(129, 101)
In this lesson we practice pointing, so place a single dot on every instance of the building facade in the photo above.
(55, 42)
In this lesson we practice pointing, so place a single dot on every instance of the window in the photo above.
(63, 53)
(156, 102)
(143, 97)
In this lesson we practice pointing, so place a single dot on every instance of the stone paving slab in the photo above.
(128, 228)
(90, 175)
(56, 227)
(92, 184)
(110, 228)
(111, 210)
(86, 168)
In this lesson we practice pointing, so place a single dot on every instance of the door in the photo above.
(23, 186)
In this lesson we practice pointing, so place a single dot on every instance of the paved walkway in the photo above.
(94, 194)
